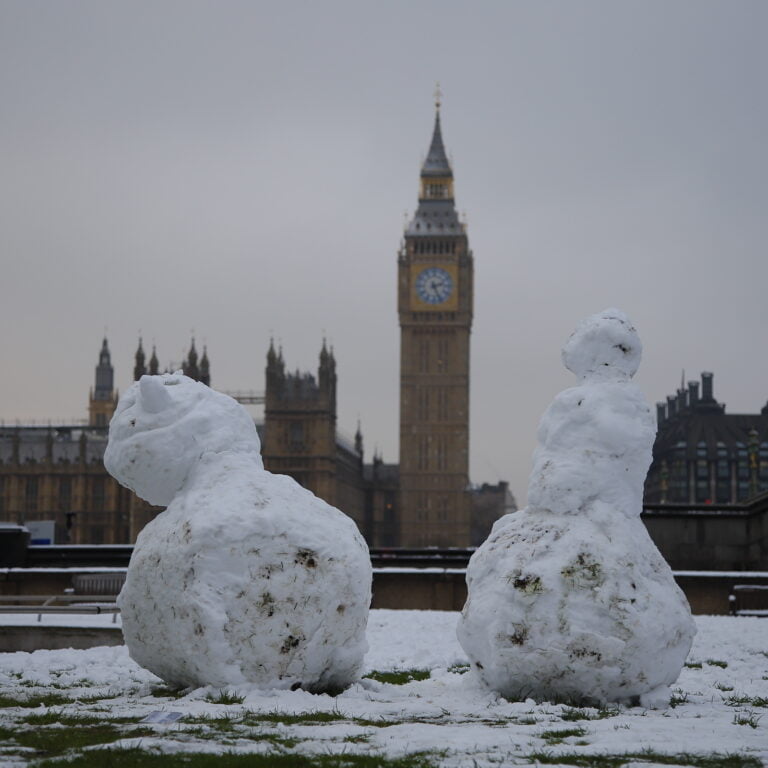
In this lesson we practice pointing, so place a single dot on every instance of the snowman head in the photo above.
(604, 347)
(161, 428)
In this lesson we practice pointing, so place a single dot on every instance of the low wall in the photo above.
(437, 589)
(35, 637)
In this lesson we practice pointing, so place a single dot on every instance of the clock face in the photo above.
(434, 285)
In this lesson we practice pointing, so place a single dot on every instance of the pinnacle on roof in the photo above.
(104, 374)
(139, 369)
(436, 163)
(154, 365)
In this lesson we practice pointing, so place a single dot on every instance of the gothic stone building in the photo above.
(56, 473)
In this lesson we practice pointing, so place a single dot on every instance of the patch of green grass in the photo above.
(526, 721)
(56, 717)
(221, 724)
(557, 736)
(678, 697)
(459, 669)
(693, 664)
(136, 758)
(206, 734)
(272, 738)
(291, 718)
(738, 700)
(399, 676)
(716, 663)
(48, 742)
(166, 692)
(713, 760)
(81, 683)
(231, 735)
(360, 738)
(45, 699)
(746, 717)
(225, 697)
(723, 687)
(572, 714)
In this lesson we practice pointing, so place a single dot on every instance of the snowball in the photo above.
(604, 346)
(246, 576)
(569, 598)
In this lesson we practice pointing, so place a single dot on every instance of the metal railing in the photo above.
(67, 603)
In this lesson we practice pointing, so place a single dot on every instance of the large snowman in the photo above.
(569, 599)
(246, 576)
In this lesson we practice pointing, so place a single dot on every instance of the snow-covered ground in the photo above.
(721, 704)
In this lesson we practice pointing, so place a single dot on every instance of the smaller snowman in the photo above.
(246, 577)
(569, 599)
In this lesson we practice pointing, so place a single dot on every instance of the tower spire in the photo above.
(139, 369)
(189, 366)
(103, 398)
(436, 214)
(205, 367)
(154, 365)
(436, 163)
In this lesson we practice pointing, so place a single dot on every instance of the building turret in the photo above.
(275, 372)
(205, 368)
(154, 365)
(189, 366)
(139, 369)
(102, 399)
(326, 376)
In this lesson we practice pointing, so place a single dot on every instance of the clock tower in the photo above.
(435, 310)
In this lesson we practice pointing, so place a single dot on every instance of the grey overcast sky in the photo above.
(242, 169)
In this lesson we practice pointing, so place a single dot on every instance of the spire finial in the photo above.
(438, 96)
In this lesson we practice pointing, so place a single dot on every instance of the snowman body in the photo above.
(569, 599)
(246, 577)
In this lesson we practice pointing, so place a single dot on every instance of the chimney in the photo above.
(706, 387)
(661, 413)
(671, 406)
(693, 393)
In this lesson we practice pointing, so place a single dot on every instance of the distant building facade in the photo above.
(56, 473)
(703, 455)
(299, 436)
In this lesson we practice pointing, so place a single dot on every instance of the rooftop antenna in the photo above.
(438, 96)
